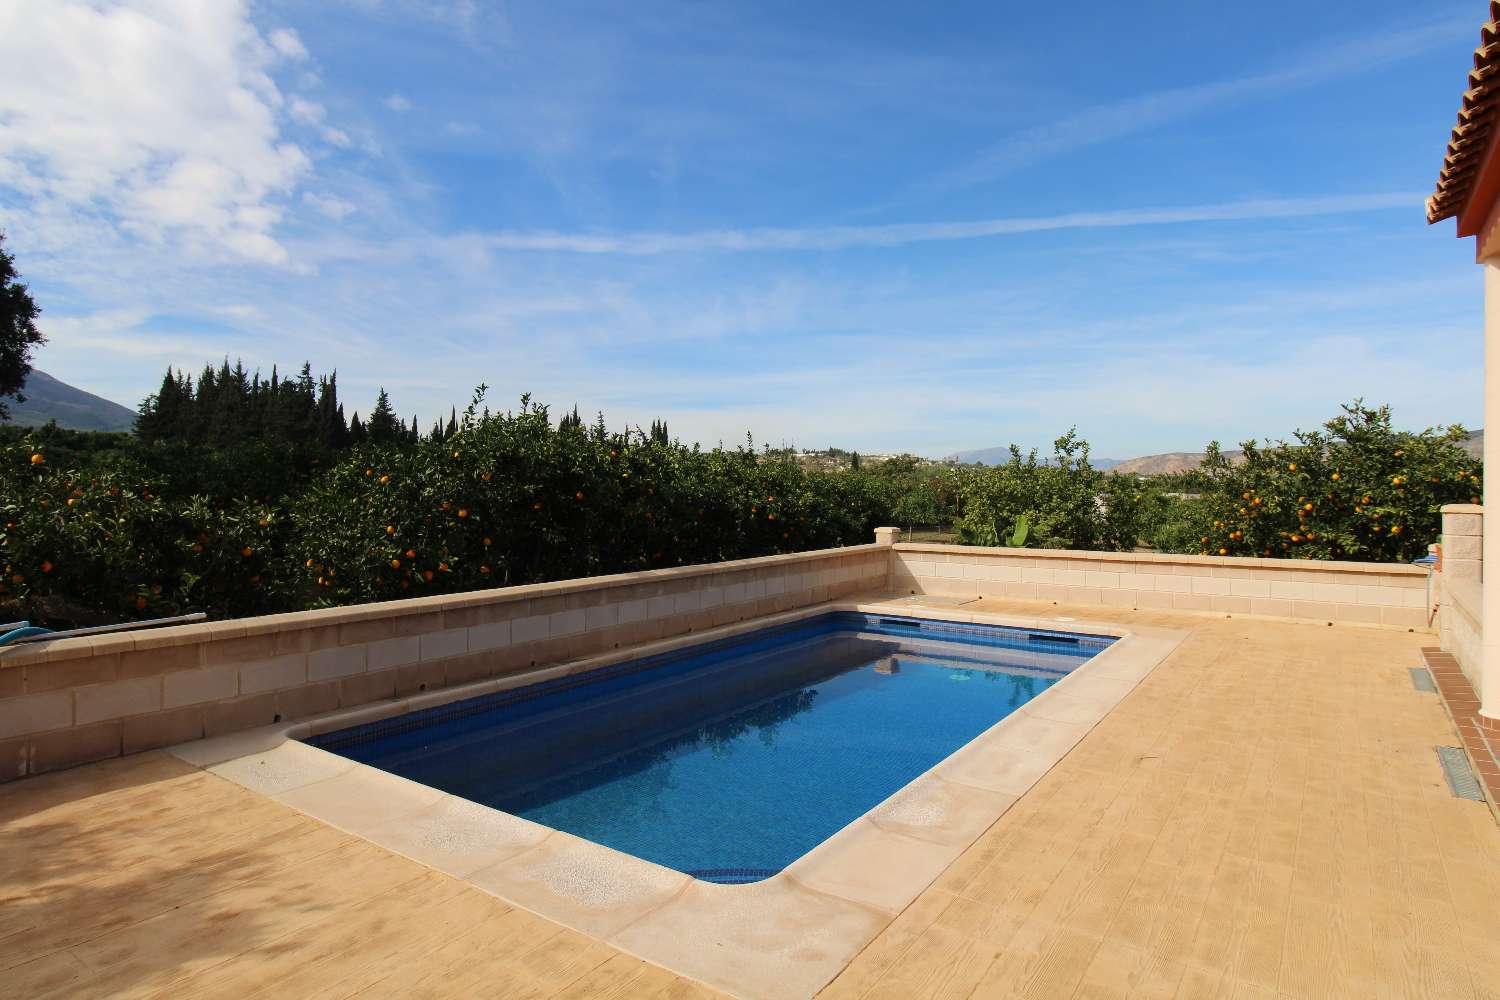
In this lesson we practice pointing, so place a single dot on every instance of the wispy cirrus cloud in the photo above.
(902, 233)
(1114, 120)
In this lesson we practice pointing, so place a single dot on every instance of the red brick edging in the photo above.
(1481, 736)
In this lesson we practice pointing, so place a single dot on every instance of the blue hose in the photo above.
(26, 630)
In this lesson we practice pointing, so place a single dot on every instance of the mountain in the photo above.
(1172, 461)
(50, 399)
(1001, 455)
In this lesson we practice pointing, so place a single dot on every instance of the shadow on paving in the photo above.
(132, 873)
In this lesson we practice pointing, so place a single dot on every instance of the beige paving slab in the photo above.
(581, 884)
(775, 939)
(457, 836)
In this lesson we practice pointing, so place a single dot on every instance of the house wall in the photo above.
(1367, 593)
(71, 701)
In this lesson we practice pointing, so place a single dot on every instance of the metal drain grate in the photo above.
(1461, 780)
(1421, 679)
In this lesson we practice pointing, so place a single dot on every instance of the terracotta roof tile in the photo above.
(1476, 121)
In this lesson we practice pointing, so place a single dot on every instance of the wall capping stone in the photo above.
(1229, 562)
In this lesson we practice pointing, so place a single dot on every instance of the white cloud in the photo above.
(330, 206)
(287, 44)
(156, 117)
(396, 102)
(898, 234)
(305, 111)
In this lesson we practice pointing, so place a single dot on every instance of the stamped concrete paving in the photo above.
(145, 877)
(1263, 817)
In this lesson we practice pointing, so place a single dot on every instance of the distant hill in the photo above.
(50, 399)
(1172, 461)
(1001, 455)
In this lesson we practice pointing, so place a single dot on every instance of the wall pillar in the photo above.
(1489, 686)
(888, 537)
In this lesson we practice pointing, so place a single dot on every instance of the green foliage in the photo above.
(165, 526)
(19, 335)
(106, 527)
(1021, 533)
(1358, 489)
(1062, 500)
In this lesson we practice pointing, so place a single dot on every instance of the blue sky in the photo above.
(879, 226)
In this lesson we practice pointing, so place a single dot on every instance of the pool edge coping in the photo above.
(783, 937)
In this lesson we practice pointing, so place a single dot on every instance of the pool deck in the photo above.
(1264, 816)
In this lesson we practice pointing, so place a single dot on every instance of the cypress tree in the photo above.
(383, 427)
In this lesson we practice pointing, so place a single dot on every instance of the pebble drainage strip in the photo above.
(1461, 780)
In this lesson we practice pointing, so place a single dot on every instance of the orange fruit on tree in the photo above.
(37, 459)
(411, 553)
(462, 512)
(1223, 552)
(427, 575)
(247, 552)
(486, 541)
(384, 480)
(46, 566)
(390, 529)
(395, 564)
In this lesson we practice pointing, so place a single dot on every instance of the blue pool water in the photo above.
(728, 760)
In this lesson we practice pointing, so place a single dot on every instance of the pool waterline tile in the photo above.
(776, 938)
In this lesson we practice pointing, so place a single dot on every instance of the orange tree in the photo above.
(1357, 489)
(509, 499)
(1066, 502)
(109, 540)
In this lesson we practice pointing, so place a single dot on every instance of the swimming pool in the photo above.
(728, 760)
